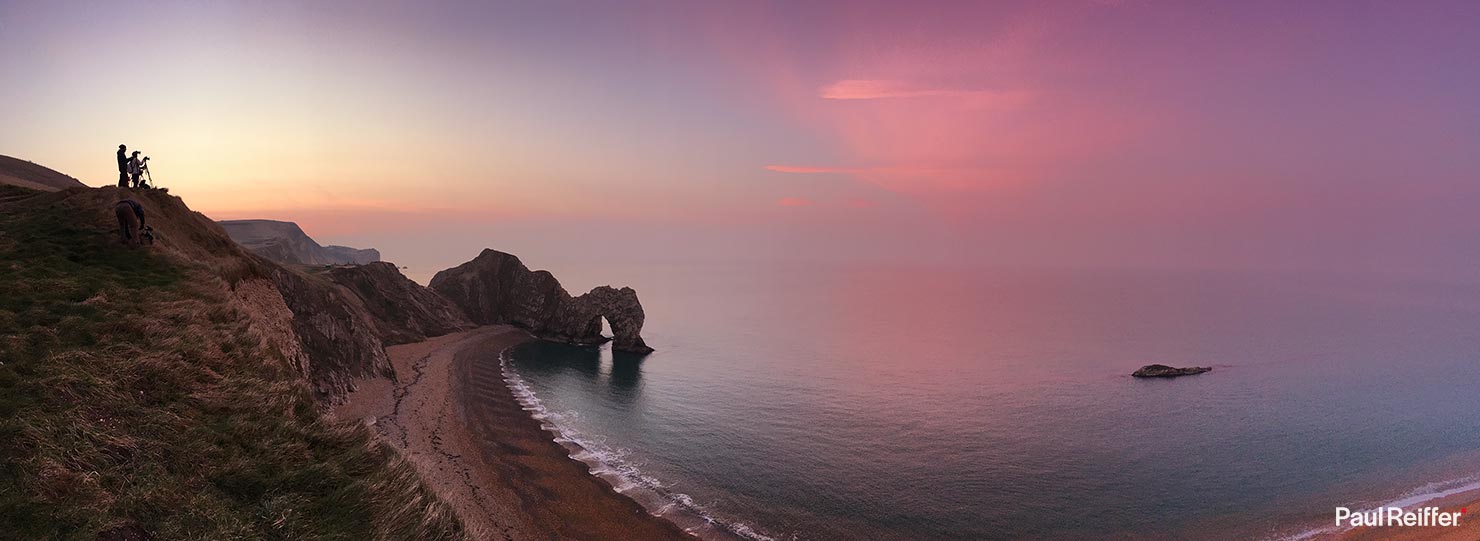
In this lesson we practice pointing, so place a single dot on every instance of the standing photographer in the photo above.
(135, 168)
(122, 167)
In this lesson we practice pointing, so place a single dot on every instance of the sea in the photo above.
(830, 402)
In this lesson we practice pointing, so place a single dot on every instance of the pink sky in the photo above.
(1337, 135)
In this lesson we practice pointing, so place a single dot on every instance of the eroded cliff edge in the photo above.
(403, 311)
(497, 288)
(334, 326)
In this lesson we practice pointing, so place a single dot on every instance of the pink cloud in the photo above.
(794, 202)
(914, 179)
(876, 89)
(807, 170)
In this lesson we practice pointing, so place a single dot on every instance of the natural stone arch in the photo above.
(497, 288)
(622, 312)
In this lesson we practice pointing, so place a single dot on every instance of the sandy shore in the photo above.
(1468, 529)
(454, 418)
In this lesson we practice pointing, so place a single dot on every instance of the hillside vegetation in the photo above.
(144, 396)
(18, 172)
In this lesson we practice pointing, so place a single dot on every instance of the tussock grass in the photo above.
(135, 404)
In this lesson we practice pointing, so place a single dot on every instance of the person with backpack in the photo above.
(135, 168)
(130, 221)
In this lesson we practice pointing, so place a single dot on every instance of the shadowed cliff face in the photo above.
(403, 310)
(497, 288)
(337, 334)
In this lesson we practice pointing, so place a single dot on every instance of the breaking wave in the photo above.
(614, 466)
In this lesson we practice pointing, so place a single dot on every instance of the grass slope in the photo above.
(135, 405)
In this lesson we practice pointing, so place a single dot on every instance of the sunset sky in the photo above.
(1278, 135)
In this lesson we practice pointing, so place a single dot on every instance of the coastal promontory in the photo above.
(497, 288)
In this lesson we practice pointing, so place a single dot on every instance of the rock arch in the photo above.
(497, 288)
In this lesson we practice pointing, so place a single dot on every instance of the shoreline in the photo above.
(507, 473)
(1464, 497)
(453, 417)
(626, 479)
(1468, 528)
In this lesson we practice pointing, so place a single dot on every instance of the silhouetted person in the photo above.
(135, 168)
(130, 220)
(122, 167)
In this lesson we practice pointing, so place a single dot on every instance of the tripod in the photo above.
(148, 178)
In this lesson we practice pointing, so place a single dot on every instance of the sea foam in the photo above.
(614, 466)
(1415, 497)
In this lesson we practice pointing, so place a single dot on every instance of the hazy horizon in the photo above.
(1323, 136)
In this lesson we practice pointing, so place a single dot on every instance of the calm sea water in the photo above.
(872, 403)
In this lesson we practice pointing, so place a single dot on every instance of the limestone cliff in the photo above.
(496, 288)
(403, 311)
(286, 243)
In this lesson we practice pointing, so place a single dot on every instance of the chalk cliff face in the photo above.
(286, 243)
(403, 311)
(497, 288)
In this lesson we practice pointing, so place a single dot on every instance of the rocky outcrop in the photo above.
(286, 243)
(1164, 371)
(496, 288)
(404, 311)
(337, 334)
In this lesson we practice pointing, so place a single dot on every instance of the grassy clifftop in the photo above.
(143, 395)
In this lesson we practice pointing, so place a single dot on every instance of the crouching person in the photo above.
(130, 220)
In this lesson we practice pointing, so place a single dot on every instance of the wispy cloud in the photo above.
(809, 170)
(913, 179)
(847, 203)
(878, 89)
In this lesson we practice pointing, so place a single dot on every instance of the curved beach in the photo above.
(453, 417)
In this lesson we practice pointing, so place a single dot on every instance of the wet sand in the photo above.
(452, 415)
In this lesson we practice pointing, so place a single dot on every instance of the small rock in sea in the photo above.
(1164, 371)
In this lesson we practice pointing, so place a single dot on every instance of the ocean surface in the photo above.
(798, 402)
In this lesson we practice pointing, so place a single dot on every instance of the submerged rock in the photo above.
(1164, 371)
(496, 288)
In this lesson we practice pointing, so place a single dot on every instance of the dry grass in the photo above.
(136, 404)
